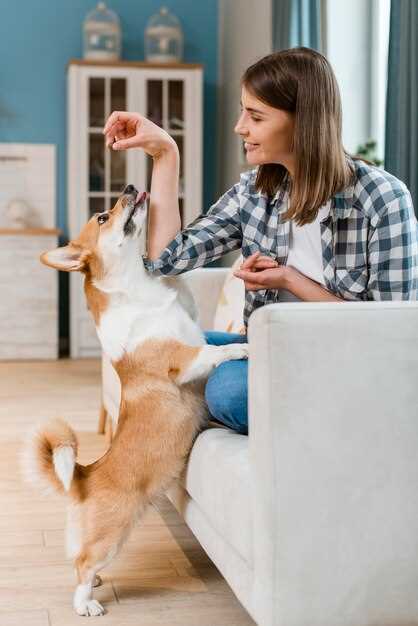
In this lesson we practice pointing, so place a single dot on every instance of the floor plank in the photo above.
(24, 618)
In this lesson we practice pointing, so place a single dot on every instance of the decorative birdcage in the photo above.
(102, 34)
(163, 38)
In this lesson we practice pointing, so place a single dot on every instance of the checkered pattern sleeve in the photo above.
(393, 252)
(206, 239)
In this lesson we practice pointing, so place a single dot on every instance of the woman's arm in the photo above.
(306, 289)
(206, 239)
(126, 130)
(164, 216)
(259, 272)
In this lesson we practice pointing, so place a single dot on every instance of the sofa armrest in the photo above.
(205, 285)
(333, 434)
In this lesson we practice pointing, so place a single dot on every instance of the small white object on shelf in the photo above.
(27, 185)
(164, 38)
(102, 34)
(20, 214)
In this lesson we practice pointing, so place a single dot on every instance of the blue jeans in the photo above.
(227, 386)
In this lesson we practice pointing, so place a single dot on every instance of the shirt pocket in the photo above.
(352, 282)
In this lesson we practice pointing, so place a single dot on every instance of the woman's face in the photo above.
(267, 132)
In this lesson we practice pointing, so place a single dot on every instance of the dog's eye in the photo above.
(102, 218)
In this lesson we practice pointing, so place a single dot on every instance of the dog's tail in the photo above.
(49, 456)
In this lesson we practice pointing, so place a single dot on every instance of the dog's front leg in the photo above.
(209, 357)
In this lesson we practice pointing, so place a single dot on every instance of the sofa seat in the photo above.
(217, 478)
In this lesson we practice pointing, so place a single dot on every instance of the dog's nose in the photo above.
(130, 189)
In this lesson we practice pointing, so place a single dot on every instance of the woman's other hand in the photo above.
(262, 272)
(124, 130)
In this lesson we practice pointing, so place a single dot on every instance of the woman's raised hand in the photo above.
(125, 130)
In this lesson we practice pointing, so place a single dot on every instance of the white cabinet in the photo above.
(29, 302)
(171, 96)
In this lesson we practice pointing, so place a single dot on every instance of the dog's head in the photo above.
(107, 241)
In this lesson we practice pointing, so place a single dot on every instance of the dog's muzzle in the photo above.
(136, 200)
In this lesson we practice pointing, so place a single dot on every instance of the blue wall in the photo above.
(37, 39)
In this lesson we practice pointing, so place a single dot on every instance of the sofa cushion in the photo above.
(218, 479)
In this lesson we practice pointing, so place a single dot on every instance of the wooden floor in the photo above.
(161, 577)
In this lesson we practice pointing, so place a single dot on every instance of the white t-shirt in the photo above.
(305, 251)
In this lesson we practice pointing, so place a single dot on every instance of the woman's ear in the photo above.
(66, 258)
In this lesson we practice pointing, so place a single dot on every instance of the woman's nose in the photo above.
(239, 129)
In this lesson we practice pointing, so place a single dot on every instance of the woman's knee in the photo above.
(226, 394)
(219, 338)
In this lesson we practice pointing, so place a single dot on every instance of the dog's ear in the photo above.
(66, 258)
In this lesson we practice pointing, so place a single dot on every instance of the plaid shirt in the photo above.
(369, 239)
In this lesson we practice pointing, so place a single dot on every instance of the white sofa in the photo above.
(313, 518)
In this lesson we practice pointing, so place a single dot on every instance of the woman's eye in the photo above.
(256, 119)
(102, 218)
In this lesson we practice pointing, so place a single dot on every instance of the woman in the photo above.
(313, 223)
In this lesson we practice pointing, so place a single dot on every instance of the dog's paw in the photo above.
(236, 351)
(90, 608)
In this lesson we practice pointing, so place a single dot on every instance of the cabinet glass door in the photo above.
(165, 107)
(107, 168)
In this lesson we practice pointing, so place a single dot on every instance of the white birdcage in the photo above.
(102, 34)
(164, 38)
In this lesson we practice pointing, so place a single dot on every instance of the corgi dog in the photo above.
(162, 360)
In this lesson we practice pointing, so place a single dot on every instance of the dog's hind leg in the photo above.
(96, 552)
(87, 565)
(73, 537)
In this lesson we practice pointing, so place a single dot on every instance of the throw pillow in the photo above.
(229, 311)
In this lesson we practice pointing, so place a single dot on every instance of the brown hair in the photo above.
(301, 81)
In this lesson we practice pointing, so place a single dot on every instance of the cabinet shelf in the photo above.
(135, 64)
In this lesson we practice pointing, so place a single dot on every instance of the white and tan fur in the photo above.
(161, 357)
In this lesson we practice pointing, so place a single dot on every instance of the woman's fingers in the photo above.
(250, 260)
(116, 127)
(124, 144)
(257, 261)
(112, 121)
(118, 131)
(119, 116)
(267, 258)
(247, 276)
(263, 265)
